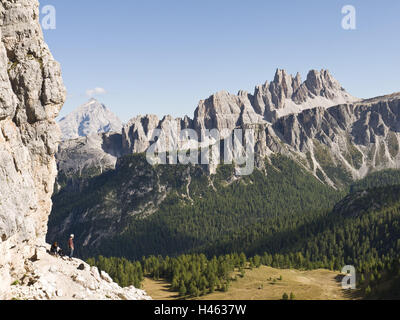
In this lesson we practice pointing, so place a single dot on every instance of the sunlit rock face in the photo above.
(31, 96)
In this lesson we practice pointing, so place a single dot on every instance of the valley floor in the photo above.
(264, 284)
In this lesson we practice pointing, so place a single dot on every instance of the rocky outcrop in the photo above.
(90, 118)
(86, 157)
(31, 96)
(136, 134)
(225, 111)
(56, 278)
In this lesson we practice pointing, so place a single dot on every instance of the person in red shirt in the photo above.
(71, 246)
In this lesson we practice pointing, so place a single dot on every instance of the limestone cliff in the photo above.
(31, 96)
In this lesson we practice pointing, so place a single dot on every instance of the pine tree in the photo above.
(182, 289)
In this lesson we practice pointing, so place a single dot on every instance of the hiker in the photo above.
(60, 252)
(54, 249)
(71, 246)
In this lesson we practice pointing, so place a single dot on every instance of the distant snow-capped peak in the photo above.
(91, 118)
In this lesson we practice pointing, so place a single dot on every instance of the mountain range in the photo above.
(302, 120)
(306, 159)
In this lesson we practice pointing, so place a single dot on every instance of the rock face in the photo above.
(90, 118)
(31, 96)
(356, 139)
(86, 157)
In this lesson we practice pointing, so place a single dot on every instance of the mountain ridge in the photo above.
(221, 110)
(349, 131)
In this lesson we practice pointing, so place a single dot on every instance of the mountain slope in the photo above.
(140, 210)
(90, 118)
(362, 230)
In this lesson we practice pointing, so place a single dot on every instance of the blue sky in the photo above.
(163, 56)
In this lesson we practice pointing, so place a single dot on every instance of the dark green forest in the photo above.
(190, 275)
(366, 238)
(248, 215)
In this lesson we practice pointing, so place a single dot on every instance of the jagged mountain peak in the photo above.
(320, 82)
(281, 76)
(286, 94)
(90, 118)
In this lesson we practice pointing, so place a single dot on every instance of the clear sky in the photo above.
(163, 56)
